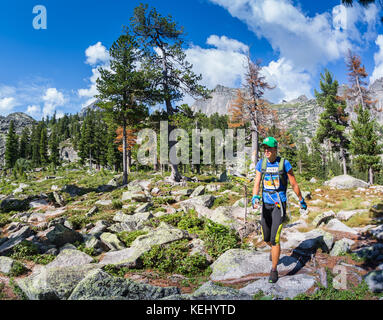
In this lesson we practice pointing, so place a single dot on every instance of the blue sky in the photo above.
(43, 71)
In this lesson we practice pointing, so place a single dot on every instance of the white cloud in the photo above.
(305, 41)
(378, 58)
(96, 54)
(7, 104)
(224, 64)
(305, 44)
(34, 111)
(289, 82)
(226, 44)
(52, 99)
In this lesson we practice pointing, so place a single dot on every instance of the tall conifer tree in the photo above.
(334, 119)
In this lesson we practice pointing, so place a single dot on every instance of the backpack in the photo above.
(281, 171)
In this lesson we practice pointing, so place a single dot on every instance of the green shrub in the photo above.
(115, 271)
(27, 250)
(4, 220)
(166, 258)
(88, 251)
(43, 258)
(174, 258)
(17, 269)
(129, 237)
(172, 219)
(24, 250)
(191, 223)
(219, 238)
(79, 221)
(193, 265)
(116, 204)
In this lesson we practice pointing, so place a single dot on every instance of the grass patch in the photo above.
(26, 250)
(128, 237)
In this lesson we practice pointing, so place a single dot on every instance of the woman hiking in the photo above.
(273, 172)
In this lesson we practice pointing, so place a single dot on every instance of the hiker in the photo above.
(273, 171)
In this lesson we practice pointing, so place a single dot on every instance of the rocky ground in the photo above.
(76, 234)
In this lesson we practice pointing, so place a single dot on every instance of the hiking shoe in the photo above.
(273, 276)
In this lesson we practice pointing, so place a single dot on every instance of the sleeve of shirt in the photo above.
(288, 166)
(258, 167)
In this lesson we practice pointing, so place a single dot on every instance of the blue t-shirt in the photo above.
(271, 180)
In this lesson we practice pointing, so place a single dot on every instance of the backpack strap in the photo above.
(281, 171)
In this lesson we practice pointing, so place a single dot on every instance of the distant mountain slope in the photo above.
(21, 121)
(300, 115)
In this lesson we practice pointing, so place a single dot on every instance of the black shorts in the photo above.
(271, 222)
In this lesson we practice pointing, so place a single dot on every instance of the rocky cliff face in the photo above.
(300, 115)
(21, 121)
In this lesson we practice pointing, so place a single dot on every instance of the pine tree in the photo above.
(123, 89)
(35, 144)
(87, 142)
(24, 146)
(162, 40)
(11, 147)
(54, 156)
(44, 146)
(113, 154)
(364, 143)
(334, 119)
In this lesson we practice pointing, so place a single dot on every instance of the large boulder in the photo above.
(6, 265)
(69, 258)
(60, 235)
(377, 232)
(286, 287)
(199, 191)
(130, 222)
(55, 283)
(345, 215)
(130, 256)
(374, 281)
(100, 284)
(12, 204)
(336, 225)
(238, 263)
(323, 217)
(72, 190)
(341, 246)
(135, 195)
(211, 291)
(111, 241)
(14, 239)
(346, 182)
(308, 242)
(204, 200)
